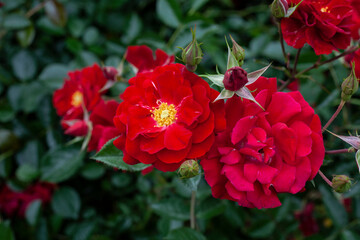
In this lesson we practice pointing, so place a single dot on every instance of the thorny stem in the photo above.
(338, 151)
(325, 178)
(317, 64)
(192, 210)
(341, 105)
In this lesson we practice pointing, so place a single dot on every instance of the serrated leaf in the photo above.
(217, 79)
(244, 92)
(173, 209)
(112, 156)
(253, 76)
(66, 203)
(184, 234)
(334, 208)
(33, 211)
(225, 94)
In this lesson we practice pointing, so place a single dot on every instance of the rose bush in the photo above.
(167, 116)
(263, 153)
(324, 25)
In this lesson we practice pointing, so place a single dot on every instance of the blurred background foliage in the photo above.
(40, 41)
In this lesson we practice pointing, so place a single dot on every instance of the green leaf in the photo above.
(55, 11)
(112, 156)
(53, 75)
(23, 65)
(263, 231)
(6, 232)
(169, 12)
(26, 36)
(172, 208)
(66, 203)
(6, 112)
(26, 173)
(61, 164)
(196, 5)
(184, 234)
(210, 208)
(334, 208)
(133, 29)
(92, 171)
(12, 4)
(16, 21)
(91, 36)
(33, 212)
(191, 183)
(32, 94)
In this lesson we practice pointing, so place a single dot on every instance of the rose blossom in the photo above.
(263, 153)
(324, 24)
(166, 117)
(81, 90)
(354, 58)
(15, 203)
(141, 57)
(103, 126)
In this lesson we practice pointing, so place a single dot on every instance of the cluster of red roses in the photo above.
(13, 203)
(250, 150)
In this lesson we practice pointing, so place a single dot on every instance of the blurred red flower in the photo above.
(14, 203)
(308, 225)
(167, 116)
(142, 58)
(263, 153)
(81, 90)
(103, 126)
(354, 58)
(324, 24)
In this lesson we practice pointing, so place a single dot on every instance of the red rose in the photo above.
(355, 58)
(15, 203)
(263, 153)
(103, 125)
(81, 90)
(142, 58)
(324, 24)
(356, 5)
(308, 225)
(167, 116)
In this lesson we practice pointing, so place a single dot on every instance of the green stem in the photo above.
(192, 210)
(174, 35)
(341, 105)
(325, 178)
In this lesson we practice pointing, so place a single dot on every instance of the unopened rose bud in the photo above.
(110, 73)
(189, 169)
(350, 85)
(279, 8)
(192, 54)
(341, 183)
(235, 78)
(239, 52)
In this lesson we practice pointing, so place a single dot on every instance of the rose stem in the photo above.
(325, 178)
(338, 151)
(317, 64)
(293, 72)
(283, 47)
(341, 105)
(192, 209)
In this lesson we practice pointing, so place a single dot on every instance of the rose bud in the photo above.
(192, 54)
(189, 169)
(279, 8)
(350, 85)
(235, 78)
(341, 183)
(239, 52)
(110, 73)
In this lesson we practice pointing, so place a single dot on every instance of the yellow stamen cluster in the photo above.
(164, 115)
(76, 99)
(325, 9)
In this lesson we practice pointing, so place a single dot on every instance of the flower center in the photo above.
(76, 99)
(164, 115)
(325, 9)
